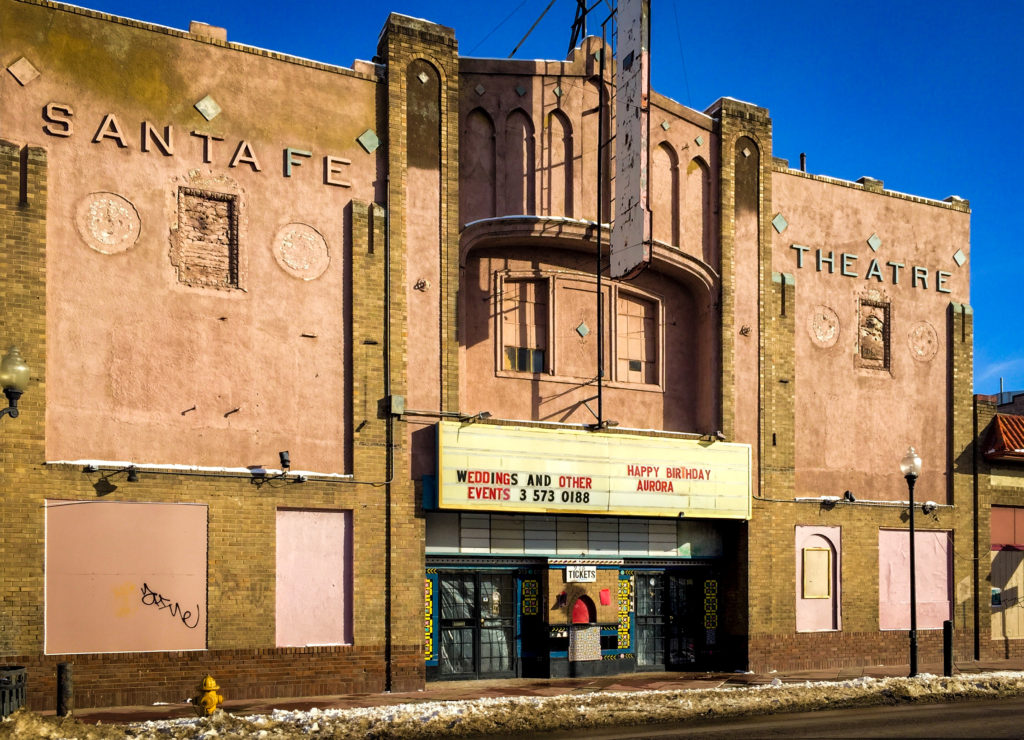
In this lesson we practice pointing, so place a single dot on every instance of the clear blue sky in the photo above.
(927, 96)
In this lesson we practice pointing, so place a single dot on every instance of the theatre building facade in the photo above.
(331, 391)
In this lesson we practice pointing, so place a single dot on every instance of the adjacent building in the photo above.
(331, 392)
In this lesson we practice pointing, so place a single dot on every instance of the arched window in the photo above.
(520, 167)
(664, 198)
(559, 173)
(697, 225)
(477, 163)
(584, 611)
(818, 569)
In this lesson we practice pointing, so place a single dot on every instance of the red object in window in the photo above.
(580, 612)
(606, 597)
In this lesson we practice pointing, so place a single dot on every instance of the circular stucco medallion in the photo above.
(824, 327)
(107, 222)
(923, 341)
(301, 251)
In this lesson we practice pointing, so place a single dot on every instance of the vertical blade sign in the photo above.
(631, 232)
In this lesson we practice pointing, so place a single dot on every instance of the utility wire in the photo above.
(523, 39)
(682, 59)
(502, 23)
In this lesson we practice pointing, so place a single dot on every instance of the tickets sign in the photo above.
(521, 469)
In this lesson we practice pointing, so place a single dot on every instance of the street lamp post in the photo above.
(910, 465)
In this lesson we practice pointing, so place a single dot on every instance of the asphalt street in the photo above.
(1001, 718)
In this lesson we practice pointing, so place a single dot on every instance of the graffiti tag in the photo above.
(152, 598)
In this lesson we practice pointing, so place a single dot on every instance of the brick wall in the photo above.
(774, 641)
(997, 483)
(405, 41)
(241, 569)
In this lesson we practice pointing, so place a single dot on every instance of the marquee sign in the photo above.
(486, 467)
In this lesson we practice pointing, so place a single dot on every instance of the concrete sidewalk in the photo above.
(468, 690)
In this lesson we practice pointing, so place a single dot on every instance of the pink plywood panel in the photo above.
(1018, 525)
(1002, 526)
(934, 584)
(125, 576)
(314, 577)
(819, 614)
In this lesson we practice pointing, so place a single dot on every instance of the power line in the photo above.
(682, 59)
(523, 39)
(502, 23)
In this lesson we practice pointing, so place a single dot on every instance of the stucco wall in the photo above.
(148, 363)
(855, 421)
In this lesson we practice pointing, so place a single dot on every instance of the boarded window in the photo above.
(314, 577)
(125, 577)
(873, 334)
(817, 573)
(1007, 583)
(817, 586)
(206, 240)
(1007, 558)
(1007, 527)
(933, 554)
(636, 344)
(524, 331)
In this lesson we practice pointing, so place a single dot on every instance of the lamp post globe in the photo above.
(911, 463)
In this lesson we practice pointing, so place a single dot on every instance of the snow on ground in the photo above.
(530, 715)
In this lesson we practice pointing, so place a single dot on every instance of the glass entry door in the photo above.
(684, 635)
(650, 620)
(670, 620)
(477, 615)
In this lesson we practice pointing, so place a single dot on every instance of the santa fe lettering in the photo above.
(58, 121)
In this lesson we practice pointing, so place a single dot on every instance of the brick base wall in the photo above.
(123, 679)
(820, 650)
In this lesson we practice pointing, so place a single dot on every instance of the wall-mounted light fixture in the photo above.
(103, 484)
(470, 418)
(14, 379)
(605, 424)
(260, 477)
(848, 495)
(928, 507)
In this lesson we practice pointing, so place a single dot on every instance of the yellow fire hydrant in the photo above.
(207, 701)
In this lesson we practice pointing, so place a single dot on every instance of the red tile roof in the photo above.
(1005, 440)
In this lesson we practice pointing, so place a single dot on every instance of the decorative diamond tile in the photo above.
(208, 108)
(558, 91)
(368, 140)
(480, 89)
(423, 77)
(520, 90)
(959, 257)
(23, 71)
(666, 125)
(780, 223)
(874, 242)
(746, 151)
(583, 329)
(700, 141)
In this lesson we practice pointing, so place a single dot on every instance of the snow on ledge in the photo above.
(175, 467)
